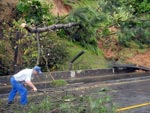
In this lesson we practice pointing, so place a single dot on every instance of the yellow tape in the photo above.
(134, 106)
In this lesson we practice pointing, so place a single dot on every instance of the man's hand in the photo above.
(30, 84)
(34, 89)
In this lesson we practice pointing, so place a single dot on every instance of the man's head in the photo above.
(37, 70)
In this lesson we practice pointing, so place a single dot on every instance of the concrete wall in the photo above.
(4, 80)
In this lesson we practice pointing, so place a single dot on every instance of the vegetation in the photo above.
(34, 12)
(126, 22)
(86, 61)
(59, 83)
(86, 33)
(97, 20)
(91, 103)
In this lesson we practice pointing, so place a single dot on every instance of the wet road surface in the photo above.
(132, 97)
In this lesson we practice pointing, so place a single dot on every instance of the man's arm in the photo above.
(30, 84)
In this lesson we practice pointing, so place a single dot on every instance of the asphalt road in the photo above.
(132, 96)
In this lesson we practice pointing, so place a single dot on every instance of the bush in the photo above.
(54, 49)
(59, 83)
(135, 30)
(6, 54)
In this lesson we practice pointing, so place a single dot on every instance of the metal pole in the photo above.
(75, 58)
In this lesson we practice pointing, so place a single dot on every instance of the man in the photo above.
(18, 82)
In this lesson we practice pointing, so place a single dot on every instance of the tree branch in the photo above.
(48, 28)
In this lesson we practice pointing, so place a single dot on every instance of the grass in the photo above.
(88, 60)
(59, 83)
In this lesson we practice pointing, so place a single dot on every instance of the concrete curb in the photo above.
(4, 80)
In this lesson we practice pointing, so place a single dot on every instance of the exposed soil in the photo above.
(113, 51)
(141, 59)
(60, 8)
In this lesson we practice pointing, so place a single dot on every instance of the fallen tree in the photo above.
(38, 30)
(48, 28)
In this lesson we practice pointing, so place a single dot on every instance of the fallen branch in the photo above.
(56, 110)
(48, 28)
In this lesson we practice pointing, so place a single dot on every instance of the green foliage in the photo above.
(135, 30)
(94, 102)
(6, 57)
(124, 15)
(130, 18)
(54, 49)
(34, 11)
(43, 107)
(133, 6)
(7, 46)
(87, 104)
(89, 21)
(59, 83)
(140, 6)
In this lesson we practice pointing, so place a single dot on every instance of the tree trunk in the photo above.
(50, 28)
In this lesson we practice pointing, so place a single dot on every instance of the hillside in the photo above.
(139, 58)
(112, 52)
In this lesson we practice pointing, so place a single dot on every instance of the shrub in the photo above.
(59, 83)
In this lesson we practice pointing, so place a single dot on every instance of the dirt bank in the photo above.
(141, 59)
(60, 8)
